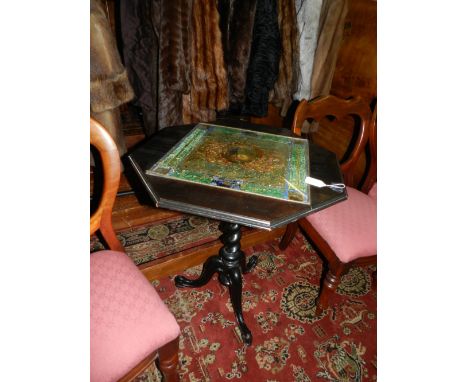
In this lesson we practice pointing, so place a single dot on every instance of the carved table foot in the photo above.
(230, 264)
(246, 268)
(212, 264)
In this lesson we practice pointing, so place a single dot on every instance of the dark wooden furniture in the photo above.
(371, 176)
(166, 355)
(338, 108)
(232, 208)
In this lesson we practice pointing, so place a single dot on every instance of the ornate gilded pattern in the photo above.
(247, 161)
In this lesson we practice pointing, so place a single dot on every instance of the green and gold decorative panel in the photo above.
(242, 160)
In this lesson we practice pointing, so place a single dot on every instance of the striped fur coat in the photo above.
(209, 88)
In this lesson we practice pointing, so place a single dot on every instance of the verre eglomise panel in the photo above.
(242, 160)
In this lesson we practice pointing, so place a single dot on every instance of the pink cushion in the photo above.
(373, 191)
(349, 227)
(128, 318)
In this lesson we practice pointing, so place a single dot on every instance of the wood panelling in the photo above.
(356, 67)
(355, 74)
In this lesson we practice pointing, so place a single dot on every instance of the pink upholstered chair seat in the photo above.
(128, 318)
(350, 227)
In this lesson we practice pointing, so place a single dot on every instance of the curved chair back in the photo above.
(101, 219)
(371, 177)
(338, 108)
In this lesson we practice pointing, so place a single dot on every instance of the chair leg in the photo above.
(291, 230)
(168, 361)
(329, 285)
(109, 235)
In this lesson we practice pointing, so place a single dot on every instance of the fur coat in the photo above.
(157, 54)
(236, 23)
(209, 90)
(175, 55)
(282, 94)
(265, 52)
(109, 84)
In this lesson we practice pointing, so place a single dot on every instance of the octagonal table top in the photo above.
(223, 203)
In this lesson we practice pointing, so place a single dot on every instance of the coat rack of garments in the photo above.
(189, 60)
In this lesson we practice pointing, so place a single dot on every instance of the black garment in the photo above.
(264, 58)
(140, 48)
(236, 24)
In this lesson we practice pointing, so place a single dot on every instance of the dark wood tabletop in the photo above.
(230, 205)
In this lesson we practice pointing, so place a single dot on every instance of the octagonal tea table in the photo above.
(231, 207)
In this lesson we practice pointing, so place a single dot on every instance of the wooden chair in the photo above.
(346, 233)
(130, 324)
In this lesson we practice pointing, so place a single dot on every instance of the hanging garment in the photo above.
(308, 18)
(209, 88)
(330, 35)
(157, 54)
(286, 85)
(109, 85)
(236, 23)
(331, 28)
(175, 29)
(265, 52)
(140, 53)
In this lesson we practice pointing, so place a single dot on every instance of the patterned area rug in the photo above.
(153, 241)
(289, 343)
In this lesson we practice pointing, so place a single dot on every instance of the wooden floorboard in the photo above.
(128, 212)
